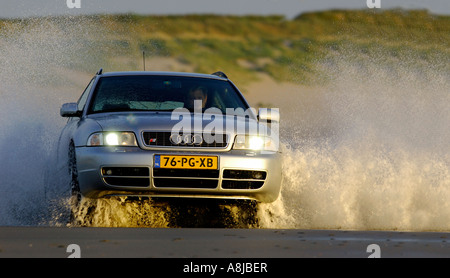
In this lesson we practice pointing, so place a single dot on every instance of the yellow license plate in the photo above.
(186, 162)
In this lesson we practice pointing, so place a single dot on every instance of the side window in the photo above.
(84, 96)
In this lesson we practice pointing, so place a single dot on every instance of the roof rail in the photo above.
(220, 74)
(100, 71)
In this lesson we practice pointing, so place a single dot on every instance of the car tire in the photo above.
(76, 203)
(73, 173)
(75, 198)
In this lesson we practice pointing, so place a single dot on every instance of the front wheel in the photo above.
(81, 213)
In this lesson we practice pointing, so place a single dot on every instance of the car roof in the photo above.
(161, 73)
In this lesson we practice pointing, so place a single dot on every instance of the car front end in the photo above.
(150, 164)
(125, 148)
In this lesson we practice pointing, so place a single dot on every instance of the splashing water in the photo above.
(35, 59)
(144, 212)
(384, 162)
(376, 156)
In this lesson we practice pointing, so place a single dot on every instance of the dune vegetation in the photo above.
(242, 46)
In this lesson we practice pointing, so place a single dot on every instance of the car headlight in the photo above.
(254, 142)
(112, 139)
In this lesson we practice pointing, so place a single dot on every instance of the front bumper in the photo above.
(95, 184)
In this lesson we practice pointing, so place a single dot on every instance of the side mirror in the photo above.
(269, 114)
(69, 110)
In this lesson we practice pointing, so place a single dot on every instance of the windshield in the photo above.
(163, 93)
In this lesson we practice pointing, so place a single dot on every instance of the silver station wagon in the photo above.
(169, 134)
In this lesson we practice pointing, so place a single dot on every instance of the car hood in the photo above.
(167, 121)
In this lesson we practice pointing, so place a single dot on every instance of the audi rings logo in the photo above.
(186, 139)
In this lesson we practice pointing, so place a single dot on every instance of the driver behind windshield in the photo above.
(198, 93)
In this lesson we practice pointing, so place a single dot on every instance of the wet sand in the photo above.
(52, 242)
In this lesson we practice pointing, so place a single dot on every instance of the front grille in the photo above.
(185, 183)
(131, 182)
(187, 173)
(243, 179)
(126, 171)
(162, 139)
(126, 176)
(234, 184)
(244, 174)
(185, 178)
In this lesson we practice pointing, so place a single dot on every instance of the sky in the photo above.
(288, 8)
